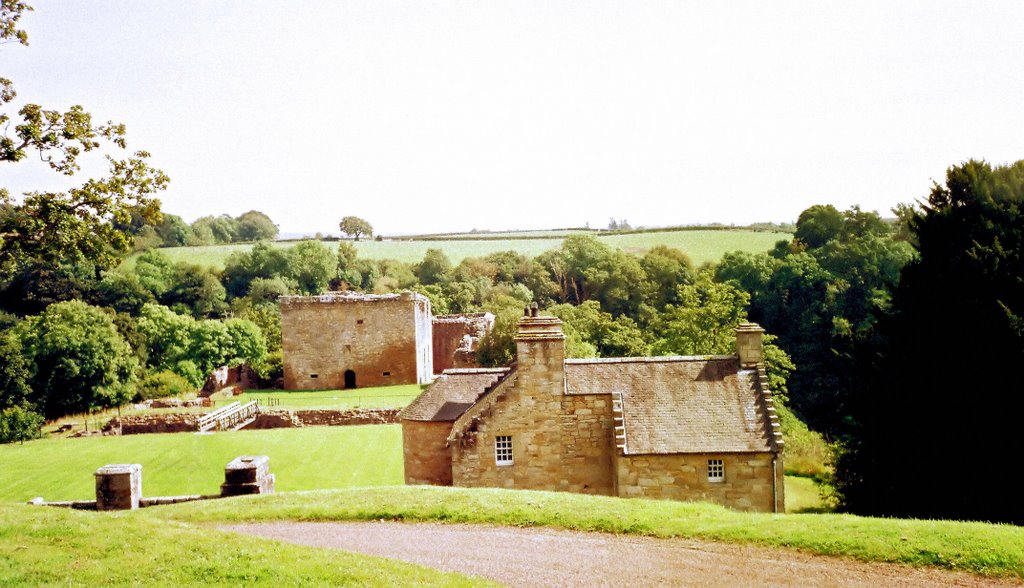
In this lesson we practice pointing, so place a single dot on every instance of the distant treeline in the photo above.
(173, 231)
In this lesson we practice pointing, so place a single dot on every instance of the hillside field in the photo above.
(306, 458)
(701, 245)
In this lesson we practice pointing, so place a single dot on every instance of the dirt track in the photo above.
(548, 557)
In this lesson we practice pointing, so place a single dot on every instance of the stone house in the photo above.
(348, 340)
(682, 428)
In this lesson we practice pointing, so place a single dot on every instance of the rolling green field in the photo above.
(306, 458)
(701, 246)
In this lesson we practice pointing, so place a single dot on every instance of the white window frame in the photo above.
(503, 450)
(716, 470)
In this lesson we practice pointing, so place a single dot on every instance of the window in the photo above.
(386, 374)
(503, 450)
(359, 321)
(716, 470)
(314, 376)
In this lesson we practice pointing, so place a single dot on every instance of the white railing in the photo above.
(238, 416)
(209, 420)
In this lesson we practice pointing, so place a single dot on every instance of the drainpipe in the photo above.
(774, 483)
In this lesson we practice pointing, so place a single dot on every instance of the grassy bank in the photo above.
(996, 550)
(186, 463)
(50, 546)
(701, 245)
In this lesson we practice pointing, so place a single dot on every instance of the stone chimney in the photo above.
(748, 344)
(540, 352)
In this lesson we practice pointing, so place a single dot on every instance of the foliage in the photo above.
(703, 321)
(434, 268)
(946, 352)
(196, 289)
(355, 227)
(256, 226)
(162, 385)
(124, 292)
(80, 361)
(263, 261)
(312, 266)
(15, 370)
(19, 424)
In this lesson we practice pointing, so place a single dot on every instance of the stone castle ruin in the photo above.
(347, 340)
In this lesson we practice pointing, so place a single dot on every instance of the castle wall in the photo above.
(747, 484)
(450, 331)
(384, 340)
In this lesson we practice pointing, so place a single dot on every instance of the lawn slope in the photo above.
(51, 546)
(981, 548)
(186, 463)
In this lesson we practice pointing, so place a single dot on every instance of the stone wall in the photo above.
(559, 442)
(427, 460)
(747, 484)
(456, 337)
(383, 340)
(141, 424)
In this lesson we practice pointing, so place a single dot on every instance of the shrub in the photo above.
(19, 424)
(161, 385)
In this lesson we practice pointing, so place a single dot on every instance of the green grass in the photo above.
(381, 397)
(996, 550)
(186, 463)
(51, 546)
(802, 495)
(701, 245)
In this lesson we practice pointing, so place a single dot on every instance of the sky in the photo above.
(443, 116)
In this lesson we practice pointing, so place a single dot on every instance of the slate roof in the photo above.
(681, 404)
(451, 394)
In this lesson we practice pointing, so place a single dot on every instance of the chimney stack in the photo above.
(748, 344)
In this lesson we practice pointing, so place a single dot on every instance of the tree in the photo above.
(356, 227)
(87, 224)
(19, 424)
(946, 353)
(243, 267)
(14, 371)
(818, 224)
(312, 266)
(703, 322)
(256, 226)
(80, 361)
(435, 267)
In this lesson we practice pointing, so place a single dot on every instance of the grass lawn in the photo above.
(802, 495)
(701, 246)
(53, 546)
(996, 550)
(381, 397)
(186, 463)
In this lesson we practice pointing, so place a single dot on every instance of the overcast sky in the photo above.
(433, 116)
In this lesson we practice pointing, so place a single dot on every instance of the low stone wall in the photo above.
(358, 416)
(141, 424)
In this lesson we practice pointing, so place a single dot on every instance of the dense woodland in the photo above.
(898, 341)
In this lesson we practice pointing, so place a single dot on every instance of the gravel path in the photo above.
(549, 557)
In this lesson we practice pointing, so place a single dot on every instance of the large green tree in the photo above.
(936, 417)
(355, 227)
(87, 224)
(79, 360)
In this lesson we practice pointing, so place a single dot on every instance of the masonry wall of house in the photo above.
(427, 459)
(559, 442)
(747, 483)
(378, 339)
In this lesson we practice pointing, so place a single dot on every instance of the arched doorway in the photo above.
(350, 379)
